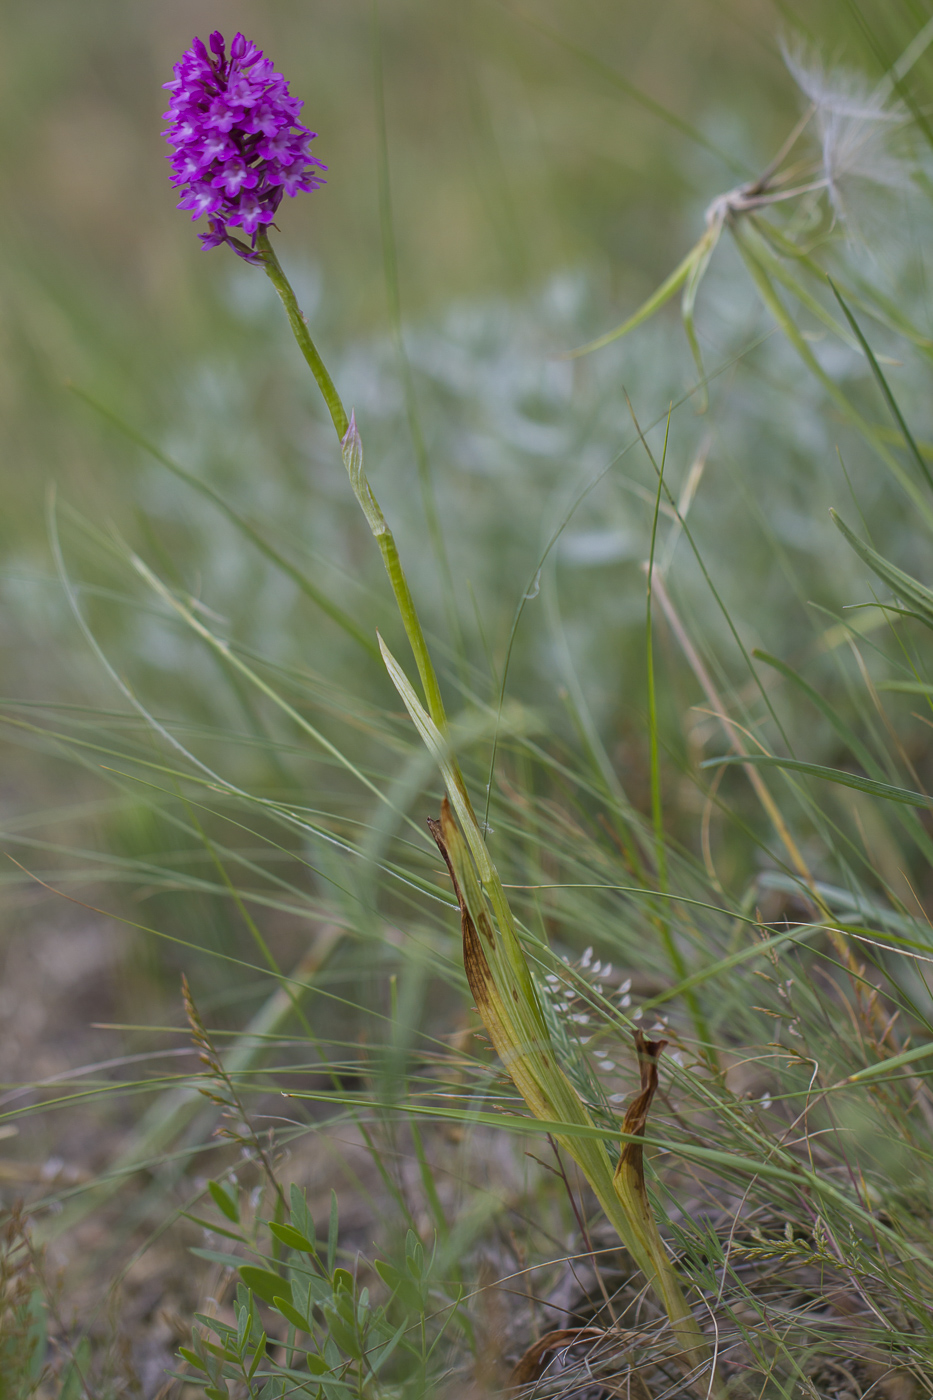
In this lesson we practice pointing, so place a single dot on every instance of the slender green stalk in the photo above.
(302, 334)
(657, 814)
(345, 428)
(662, 921)
(352, 449)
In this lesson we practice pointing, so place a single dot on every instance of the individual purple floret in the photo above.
(238, 143)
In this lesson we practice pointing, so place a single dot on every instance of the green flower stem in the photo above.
(406, 607)
(300, 329)
(352, 450)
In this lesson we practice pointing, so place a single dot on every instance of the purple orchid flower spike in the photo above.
(237, 145)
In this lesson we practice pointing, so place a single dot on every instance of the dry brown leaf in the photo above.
(535, 1360)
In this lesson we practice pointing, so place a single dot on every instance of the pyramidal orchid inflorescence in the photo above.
(238, 143)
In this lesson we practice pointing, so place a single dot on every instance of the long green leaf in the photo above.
(688, 304)
(845, 732)
(890, 400)
(916, 594)
(310, 590)
(654, 303)
(748, 243)
(907, 1057)
(508, 1003)
(832, 775)
(906, 687)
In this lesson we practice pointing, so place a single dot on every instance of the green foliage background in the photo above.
(545, 165)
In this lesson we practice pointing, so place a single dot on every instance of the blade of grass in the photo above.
(301, 580)
(832, 775)
(744, 239)
(916, 594)
(672, 284)
(890, 400)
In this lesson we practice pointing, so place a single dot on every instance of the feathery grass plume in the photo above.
(856, 125)
(221, 1090)
(856, 122)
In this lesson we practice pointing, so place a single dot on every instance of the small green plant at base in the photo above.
(335, 1341)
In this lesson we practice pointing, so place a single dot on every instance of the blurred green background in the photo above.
(549, 162)
(523, 142)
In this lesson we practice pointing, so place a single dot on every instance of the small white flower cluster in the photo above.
(582, 1017)
(566, 999)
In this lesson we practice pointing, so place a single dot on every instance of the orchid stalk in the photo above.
(238, 148)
